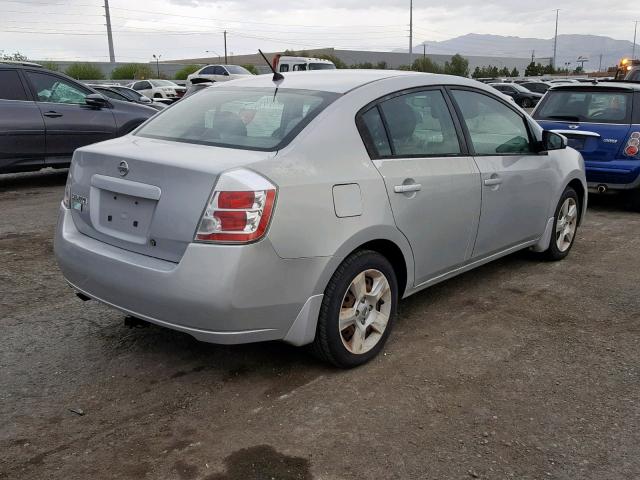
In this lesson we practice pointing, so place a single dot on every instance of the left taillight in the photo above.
(66, 200)
(633, 145)
(239, 209)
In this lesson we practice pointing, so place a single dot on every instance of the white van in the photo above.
(295, 64)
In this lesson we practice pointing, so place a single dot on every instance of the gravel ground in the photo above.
(520, 369)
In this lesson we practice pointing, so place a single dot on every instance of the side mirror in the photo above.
(145, 99)
(226, 74)
(553, 141)
(96, 100)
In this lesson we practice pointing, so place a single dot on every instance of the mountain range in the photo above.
(570, 47)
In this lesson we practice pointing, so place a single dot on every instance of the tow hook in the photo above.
(602, 188)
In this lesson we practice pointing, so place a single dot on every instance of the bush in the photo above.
(53, 66)
(132, 71)
(84, 71)
(185, 71)
(251, 68)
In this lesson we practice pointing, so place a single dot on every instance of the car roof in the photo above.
(609, 86)
(336, 81)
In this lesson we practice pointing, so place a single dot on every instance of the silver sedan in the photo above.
(304, 210)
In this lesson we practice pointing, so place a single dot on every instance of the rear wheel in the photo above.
(358, 310)
(565, 225)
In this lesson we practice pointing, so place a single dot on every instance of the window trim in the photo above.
(25, 86)
(533, 141)
(366, 138)
(76, 84)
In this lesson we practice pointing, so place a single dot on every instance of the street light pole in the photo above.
(157, 63)
(555, 40)
(225, 47)
(635, 30)
(410, 33)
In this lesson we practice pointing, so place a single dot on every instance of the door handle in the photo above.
(412, 187)
(489, 182)
(52, 114)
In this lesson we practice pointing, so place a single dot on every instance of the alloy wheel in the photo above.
(566, 224)
(365, 311)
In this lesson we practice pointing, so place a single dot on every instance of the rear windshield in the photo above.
(246, 118)
(322, 66)
(586, 106)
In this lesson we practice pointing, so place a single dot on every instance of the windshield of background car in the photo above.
(586, 106)
(245, 118)
(236, 70)
(162, 83)
(322, 66)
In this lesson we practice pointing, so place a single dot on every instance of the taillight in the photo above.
(239, 209)
(633, 145)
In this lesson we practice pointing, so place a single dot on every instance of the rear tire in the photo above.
(358, 310)
(634, 198)
(565, 226)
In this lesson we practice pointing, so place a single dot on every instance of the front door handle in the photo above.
(52, 114)
(490, 182)
(412, 187)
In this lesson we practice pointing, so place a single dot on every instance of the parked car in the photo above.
(523, 97)
(219, 73)
(158, 89)
(45, 116)
(187, 222)
(114, 93)
(285, 63)
(602, 121)
(536, 86)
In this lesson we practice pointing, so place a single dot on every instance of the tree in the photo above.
(16, 57)
(514, 72)
(251, 68)
(132, 71)
(184, 72)
(458, 66)
(425, 64)
(84, 71)
(53, 66)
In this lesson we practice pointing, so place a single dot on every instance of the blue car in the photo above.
(602, 121)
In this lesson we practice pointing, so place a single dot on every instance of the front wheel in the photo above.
(565, 226)
(358, 310)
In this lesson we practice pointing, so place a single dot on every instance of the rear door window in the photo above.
(374, 134)
(207, 71)
(11, 87)
(582, 105)
(420, 124)
(494, 128)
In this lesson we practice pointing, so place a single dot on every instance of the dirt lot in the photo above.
(520, 370)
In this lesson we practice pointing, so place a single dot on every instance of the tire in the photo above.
(364, 331)
(561, 242)
(634, 200)
(157, 95)
(526, 103)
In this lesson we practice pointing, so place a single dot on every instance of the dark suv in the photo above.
(45, 116)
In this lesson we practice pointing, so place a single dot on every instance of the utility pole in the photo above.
(600, 64)
(410, 33)
(157, 57)
(635, 30)
(424, 53)
(533, 56)
(225, 47)
(112, 56)
(555, 41)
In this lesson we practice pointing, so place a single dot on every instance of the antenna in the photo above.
(277, 77)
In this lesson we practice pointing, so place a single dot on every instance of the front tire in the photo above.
(565, 226)
(358, 310)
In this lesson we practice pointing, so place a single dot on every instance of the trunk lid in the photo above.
(147, 195)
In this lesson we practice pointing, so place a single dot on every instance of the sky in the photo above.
(176, 29)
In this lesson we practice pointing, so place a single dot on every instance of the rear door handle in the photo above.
(489, 182)
(52, 114)
(412, 187)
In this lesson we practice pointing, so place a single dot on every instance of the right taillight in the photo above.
(66, 200)
(239, 209)
(633, 145)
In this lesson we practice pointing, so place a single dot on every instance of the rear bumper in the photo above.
(216, 293)
(615, 175)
